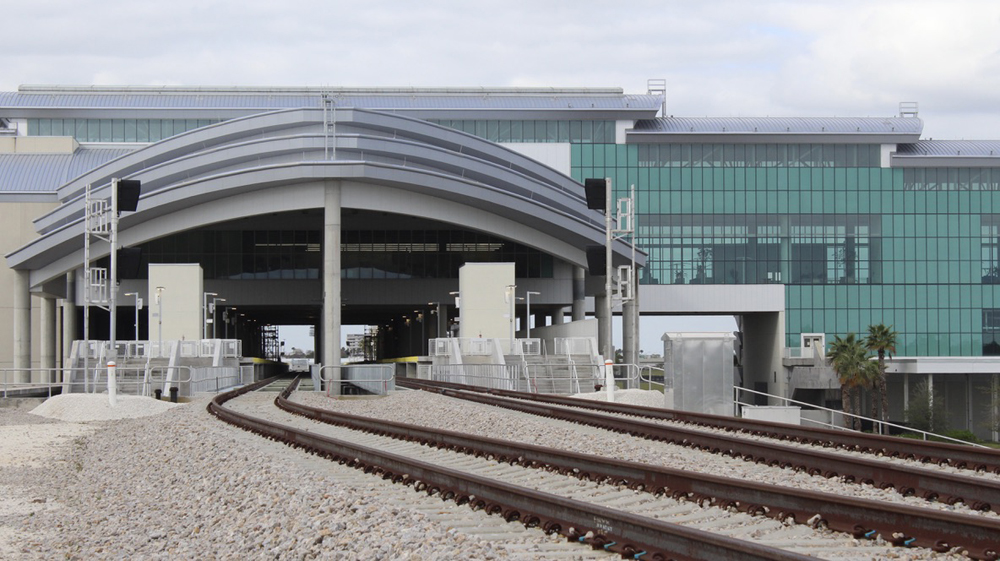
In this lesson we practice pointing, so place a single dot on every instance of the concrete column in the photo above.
(559, 316)
(47, 328)
(442, 320)
(69, 321)
(579, 312)
(331, 284)
(628, 333)
(603, 326)
(22, 324)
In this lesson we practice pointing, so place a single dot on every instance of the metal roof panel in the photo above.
(46, 172)
(962, 148)
(779, 125)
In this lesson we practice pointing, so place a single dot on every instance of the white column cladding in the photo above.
(69, 318)
(331, 284)
(47, 328)
(22, 324)
(579, 312)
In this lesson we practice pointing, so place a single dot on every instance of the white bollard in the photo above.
(609, 380)
(112, 385)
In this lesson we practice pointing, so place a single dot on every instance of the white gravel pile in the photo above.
(78, 407)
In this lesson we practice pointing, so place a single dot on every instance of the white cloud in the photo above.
(770, 57)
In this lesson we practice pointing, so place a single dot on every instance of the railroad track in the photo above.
(599, 527)
(977, 493)
(618, 491)
(966, 457)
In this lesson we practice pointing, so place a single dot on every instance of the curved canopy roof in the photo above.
(282, 160)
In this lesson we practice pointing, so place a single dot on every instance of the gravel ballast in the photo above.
(184, 485)
(181, 484)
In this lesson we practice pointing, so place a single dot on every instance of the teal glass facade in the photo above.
(855, 243)
(115, 130)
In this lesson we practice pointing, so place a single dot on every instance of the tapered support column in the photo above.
(559, 316)
(331, 285)
(22, 325)
(47, 346)
(579, 312)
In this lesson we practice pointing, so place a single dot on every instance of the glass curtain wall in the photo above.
(854, 243)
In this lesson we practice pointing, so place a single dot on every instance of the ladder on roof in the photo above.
(329, 127)
(658, 86)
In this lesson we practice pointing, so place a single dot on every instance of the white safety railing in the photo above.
(17, 382)
(834, 413)
(648, 375)
(495, 376)
(203, 348)
(576, 346)
(219, 378)
(348, 379)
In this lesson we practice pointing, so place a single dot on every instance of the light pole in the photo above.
(214, 314)
(511, 288)
(138, 306)
(159, 317)
(204, 314)
(527, 324)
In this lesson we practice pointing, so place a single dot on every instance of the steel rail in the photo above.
(955, 455)
(977, 493)
(901, 525)
(630, 535)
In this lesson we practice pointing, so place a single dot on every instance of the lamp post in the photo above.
(204, 314)
(527, 324)
(215, 314)
(511, 288)
(159, 318)
(138, 306)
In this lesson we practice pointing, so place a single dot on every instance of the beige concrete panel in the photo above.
(485, 307)
(45, 144)
(182, 301)
(16, 229)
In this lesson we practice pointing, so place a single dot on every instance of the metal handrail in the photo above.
(380, 385)
(881, 424)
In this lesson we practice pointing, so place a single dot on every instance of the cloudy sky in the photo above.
(718, 57)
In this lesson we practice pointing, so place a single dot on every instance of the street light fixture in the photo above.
(204, 314)
(159, 318)
(215, 314)
(527, 324)
(138, 306)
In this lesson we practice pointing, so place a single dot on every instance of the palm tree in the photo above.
(882, 340)
(849, 361)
